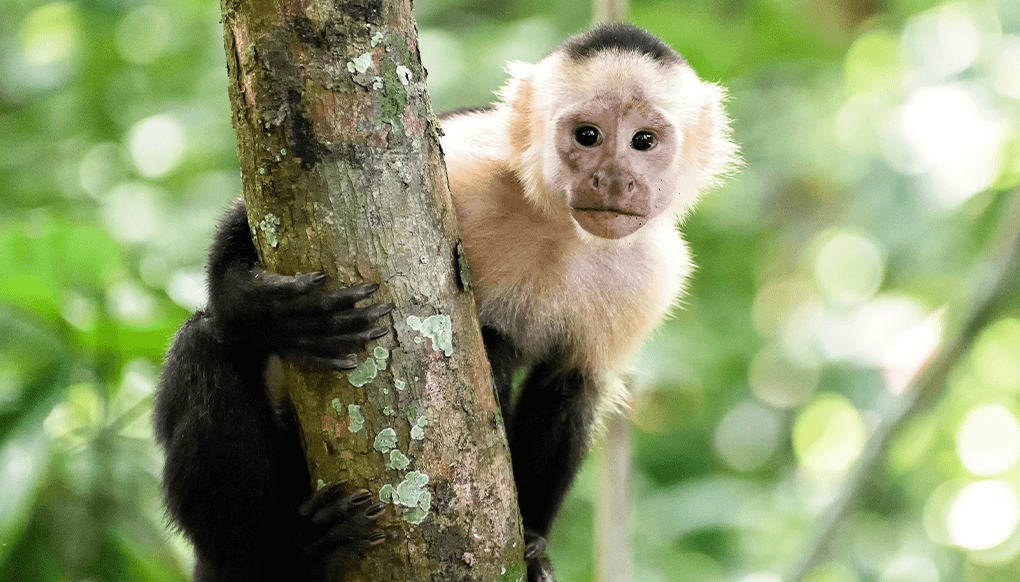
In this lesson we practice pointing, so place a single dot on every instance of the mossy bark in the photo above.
(343, 174)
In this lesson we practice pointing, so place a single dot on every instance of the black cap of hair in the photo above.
(622, 37)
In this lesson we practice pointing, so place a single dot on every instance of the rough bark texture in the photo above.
(342, 173)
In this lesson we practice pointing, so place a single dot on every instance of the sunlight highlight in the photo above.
(983, 515)
(157, 145)
(988, 441)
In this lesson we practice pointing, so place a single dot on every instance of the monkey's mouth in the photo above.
(608, 222)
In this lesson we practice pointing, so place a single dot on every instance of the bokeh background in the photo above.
(882, 156)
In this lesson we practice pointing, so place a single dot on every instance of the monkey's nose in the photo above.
(611, 184)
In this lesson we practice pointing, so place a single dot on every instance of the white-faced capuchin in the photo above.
(568, 191)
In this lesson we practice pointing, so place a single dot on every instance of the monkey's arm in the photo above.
(235, 478)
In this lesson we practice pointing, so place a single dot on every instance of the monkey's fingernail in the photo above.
(377, 539)
(383, 309)
(344, 364)
(375, 511)
(337, 485)
(360, 497)
(378, 333)
(318, 276)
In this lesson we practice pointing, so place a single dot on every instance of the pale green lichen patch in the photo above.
(399, 384)
(357, 420)
(388, 410)
(411, 493)
(360, 64)
(268, 227)
(404, 74)
(417, 515)
(398, 460)
(363, 374)
(380, 353)
(438, 328)
(377, 38)
(337, 406)
(417, 428)
(385, 440)
(320, 484)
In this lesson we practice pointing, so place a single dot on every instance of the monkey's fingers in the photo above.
(330, 346)
(308, 317)
(286, 285)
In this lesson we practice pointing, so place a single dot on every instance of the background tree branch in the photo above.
(995, 283)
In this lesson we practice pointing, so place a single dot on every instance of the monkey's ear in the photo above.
(708, 146)
(518, 93)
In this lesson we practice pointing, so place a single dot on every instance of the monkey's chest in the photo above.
(596, 308)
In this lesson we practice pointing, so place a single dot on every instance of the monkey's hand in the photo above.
(539, 568)
(335, 526)
(292, 316)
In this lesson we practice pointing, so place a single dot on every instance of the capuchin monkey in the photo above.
(568, 191)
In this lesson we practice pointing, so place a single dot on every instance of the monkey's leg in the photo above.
(549, 435)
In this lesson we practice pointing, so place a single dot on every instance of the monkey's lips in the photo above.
(608, 222)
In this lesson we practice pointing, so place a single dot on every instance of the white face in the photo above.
(618, 157)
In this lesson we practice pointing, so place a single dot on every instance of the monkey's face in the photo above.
(619, 163)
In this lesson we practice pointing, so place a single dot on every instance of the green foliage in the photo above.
(881, 154)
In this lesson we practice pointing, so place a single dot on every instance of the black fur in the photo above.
(235, 478)
(548, 427)
(622, 37)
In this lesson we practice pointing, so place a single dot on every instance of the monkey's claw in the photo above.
(335, 525)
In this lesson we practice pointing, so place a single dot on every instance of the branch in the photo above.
(343, 174)
(990, 293)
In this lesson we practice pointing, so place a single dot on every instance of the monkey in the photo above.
(568, 190)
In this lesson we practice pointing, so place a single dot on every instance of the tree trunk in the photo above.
(343, 174)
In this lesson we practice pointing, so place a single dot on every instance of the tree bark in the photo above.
(342, 173)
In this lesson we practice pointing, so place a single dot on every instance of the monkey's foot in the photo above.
(334, 525)
(539, 568)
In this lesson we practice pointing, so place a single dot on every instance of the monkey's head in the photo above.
(616, 126)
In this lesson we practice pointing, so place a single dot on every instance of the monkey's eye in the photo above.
(588, 135)
(643, 141)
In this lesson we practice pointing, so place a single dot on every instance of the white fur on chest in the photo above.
(599, 303)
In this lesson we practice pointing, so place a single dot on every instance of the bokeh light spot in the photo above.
(49, 34)
(828, 436)
(779, 381)
(872, 63)
(942, 42)
(960, 152)
(848, 268)
(748, 435)
(996, 355)
(1006, 68)
(988, 441)
(157, 145)
(144, 34)
(983, 515)
(910, 569)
